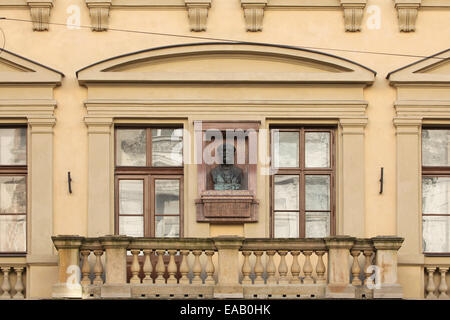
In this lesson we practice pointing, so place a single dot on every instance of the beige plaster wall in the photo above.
(70, 50)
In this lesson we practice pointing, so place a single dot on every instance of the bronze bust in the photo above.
(226, 176)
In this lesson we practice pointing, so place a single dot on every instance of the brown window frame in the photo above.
(432, 171)
(148, 174)
(302, 171)
(15, 170)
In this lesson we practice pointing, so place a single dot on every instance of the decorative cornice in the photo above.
(40, 13)
(198, 14)
(99, 12)
(407, 14)
(254, 14)
(353, 14)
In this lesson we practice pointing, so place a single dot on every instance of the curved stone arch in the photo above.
(218, 81)
(338, 70)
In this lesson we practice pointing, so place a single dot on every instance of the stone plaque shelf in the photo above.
(227, 206)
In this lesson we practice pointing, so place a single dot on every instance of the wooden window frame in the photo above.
(148, 174)
(22, 171)
(433, 171)
(301, 171)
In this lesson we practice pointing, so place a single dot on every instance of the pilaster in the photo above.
(99, 176)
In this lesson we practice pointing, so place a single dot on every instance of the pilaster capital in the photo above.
(97, 125)
(41, 124)
(353, 125)
(410, 125)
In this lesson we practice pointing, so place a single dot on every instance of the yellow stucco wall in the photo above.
(70, 50)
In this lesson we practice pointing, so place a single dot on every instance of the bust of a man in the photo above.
(226, 176)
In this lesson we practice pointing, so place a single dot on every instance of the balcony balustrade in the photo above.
(227, 267)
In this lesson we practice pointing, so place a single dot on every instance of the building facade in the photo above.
(224, 148)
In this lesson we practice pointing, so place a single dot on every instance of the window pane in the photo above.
(317, 192)
(317, 149)
(13, 196)
(167, 226)
(13, 146)
(435, 147)
(435, 195)
(286, 225)
(167, 195)
(131, 197)
(317, 224)
(286, 192)
(285, 149)
(167, 147)
(436, 234)
(131, 226)
(13, 233)
(131, 147)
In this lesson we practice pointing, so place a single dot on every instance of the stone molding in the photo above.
(99, 12)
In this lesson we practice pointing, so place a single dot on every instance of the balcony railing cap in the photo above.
(67, 241)
(387, 242)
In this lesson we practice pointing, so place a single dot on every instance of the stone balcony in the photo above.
(227, 267)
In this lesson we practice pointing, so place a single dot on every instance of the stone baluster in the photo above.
(430, 284)
(98, 267)
(270, 267)
(135, 267)
(307, 268)
(197, 269)
(246, 268)
(320, 267)
(368, 262)
(184, 267)
(160, 268)
(148, 268)
(259, 268)
(85, 268)
(282, 267)
(172, 267)
(443, 284)
(6, 286)
(295, 268)
(209, 268)
(356, 269)
(19, 284)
